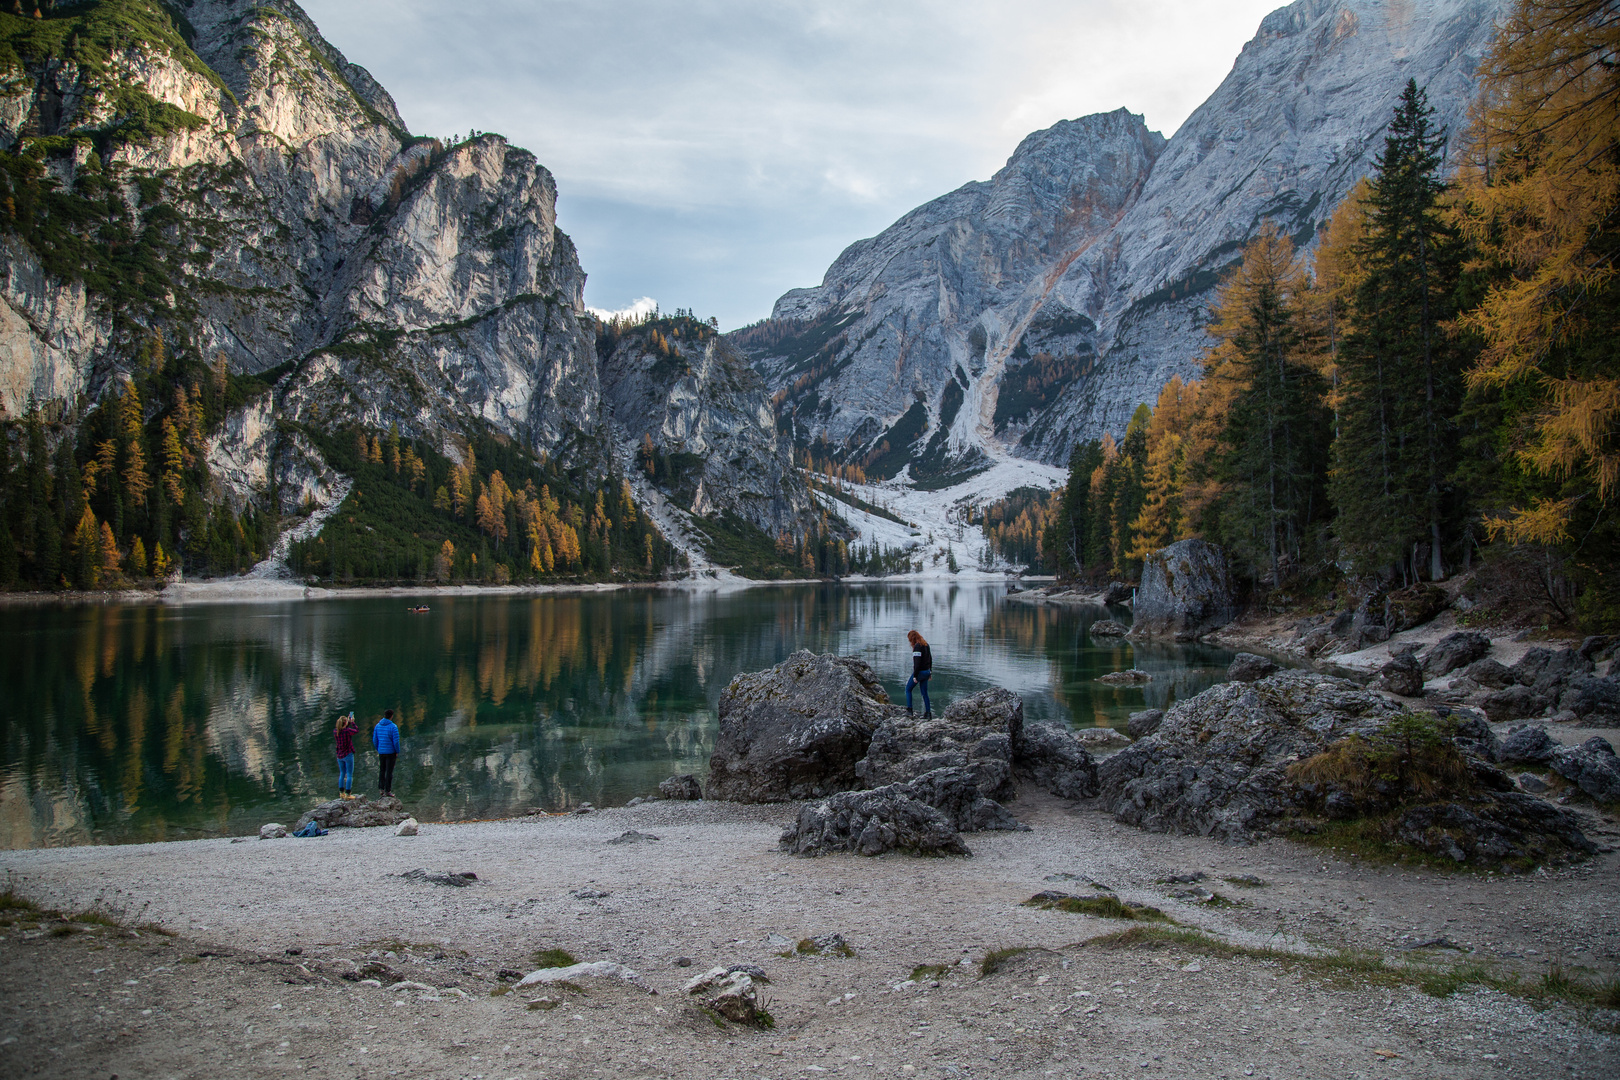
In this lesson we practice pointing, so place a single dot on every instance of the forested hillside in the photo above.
(1438, 382)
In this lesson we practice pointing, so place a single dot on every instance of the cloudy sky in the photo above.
(714, 153)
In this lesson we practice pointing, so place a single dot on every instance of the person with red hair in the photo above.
(922, 669)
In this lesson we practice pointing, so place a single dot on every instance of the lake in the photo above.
(143, 722)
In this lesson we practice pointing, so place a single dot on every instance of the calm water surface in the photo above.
(152, 722)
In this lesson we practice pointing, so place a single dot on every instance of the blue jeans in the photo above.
(346, 772)
(919, 679)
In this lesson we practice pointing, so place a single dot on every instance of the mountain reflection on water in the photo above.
(150, 722)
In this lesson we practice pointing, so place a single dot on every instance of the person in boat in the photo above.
(343, 735)
(385, 740)
(922, 669)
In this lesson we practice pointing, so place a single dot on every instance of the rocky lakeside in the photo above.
(1097, 926)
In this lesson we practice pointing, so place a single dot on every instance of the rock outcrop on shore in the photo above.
(1297, 752)
(822, 727)
(1186, 591)
(797, 730)
(357, 813)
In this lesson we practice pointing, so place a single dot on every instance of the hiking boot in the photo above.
(928, 714)
(908, 710)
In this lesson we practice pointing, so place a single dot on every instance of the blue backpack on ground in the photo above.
(312, 829)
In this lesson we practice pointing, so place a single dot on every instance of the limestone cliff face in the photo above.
(701, 411)
(299, 231)
(1066, 291)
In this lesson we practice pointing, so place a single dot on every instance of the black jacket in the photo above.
(922, 659)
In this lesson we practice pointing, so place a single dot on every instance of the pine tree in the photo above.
(1064, 540)
(1401, 373)
(1271, 459)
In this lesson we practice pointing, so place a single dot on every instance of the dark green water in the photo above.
(152, 722)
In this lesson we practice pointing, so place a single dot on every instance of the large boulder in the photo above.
(1454, 651)
(1186, 591)
(1595, 702)
(1286, 752)
(1549, 672)
(1402, 675)
(956, 794)
(1142, 724)
(1414, 606)
(871, 823)
(1529, 743)
(1489, 673)
(1052, 758)
(797, 730)
(684, 787)
(1218, 764)
(976, 734)
(358, 813)
(1247, 667)
(1592, 767)
(1513, 703)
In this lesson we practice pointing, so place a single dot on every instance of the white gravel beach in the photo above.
(252, 984)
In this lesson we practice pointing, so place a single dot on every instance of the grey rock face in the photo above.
(1144, 723)
(797, 730)
(705, 407)
(1090, 258)
(1454, 651)
(683, 787)
(1247, 667)
(976, 734)
(1053, 759)
(1186, 591)
(1592, 766)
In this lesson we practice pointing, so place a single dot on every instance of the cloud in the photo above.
(719, 152)
(636, 312)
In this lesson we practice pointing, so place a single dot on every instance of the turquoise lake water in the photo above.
(152, 722)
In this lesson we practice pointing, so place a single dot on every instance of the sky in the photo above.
(713, 154)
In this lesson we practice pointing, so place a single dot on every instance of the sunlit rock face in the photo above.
(1041, 307)
(376, 277)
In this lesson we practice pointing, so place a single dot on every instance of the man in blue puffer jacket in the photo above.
(385, 738)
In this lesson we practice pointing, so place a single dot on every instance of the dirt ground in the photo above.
(252, 983)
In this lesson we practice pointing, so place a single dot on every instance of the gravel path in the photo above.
(711, 889)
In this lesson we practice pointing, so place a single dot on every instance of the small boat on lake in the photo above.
(421, 610)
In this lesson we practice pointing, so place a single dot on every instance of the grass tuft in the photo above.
(500, 991)
(553, 958)
(64, 930)
(10, 901)
(925, 972)
(95, 918)
(1104, 907)
(996, 959)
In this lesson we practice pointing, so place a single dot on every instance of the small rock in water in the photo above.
(1133, 677)
(1100, 738)
(406, 828)
(630, 836)
(1108, 628)
(273, 831)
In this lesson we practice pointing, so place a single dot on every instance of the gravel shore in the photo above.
(253, 982)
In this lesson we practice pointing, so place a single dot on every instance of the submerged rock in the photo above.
(1133, 677)
(1107, 628)
(1186, 591)
(797, 730)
